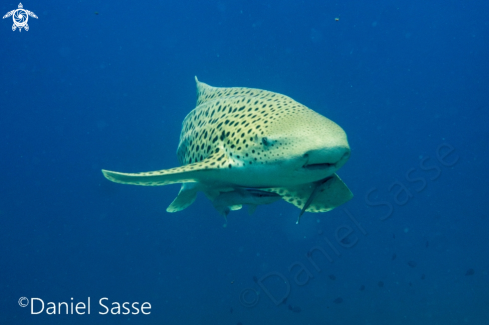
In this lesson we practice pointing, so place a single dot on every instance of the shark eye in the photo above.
(265, 141)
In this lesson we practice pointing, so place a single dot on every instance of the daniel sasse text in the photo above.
(105, 307)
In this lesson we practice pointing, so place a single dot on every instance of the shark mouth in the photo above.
(316, 163)
(318, 166)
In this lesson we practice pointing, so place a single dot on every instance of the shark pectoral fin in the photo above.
(331, 194)
(327, 196)
(186, 196)
(183, 174)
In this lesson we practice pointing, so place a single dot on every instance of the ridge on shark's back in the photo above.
(238, 139)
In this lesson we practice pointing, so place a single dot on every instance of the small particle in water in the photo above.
(332, 277)
(255, 279)
(239, 323)
(394, 256)
(470, 272)
(362, 288)
(410, 284)
(427, 244)
(380, 284)
(394, 236)
(423, 276)
(346, 241)
(96, 12)
(337, 19)
(231, 310)
(412, 263)
(338, 300)
(295, 309)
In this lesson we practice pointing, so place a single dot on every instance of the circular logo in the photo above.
(23, 301)
(20, 17)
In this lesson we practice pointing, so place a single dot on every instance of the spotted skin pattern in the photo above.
(230, 124)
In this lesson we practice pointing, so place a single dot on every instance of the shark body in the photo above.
(244, 138)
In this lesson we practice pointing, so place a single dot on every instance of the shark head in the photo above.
(261, 133)
(303, 145)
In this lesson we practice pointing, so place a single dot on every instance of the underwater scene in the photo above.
(244, 162)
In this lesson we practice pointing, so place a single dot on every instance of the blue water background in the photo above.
(80, 91)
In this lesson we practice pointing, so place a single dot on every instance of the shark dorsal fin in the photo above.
(208, 93)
